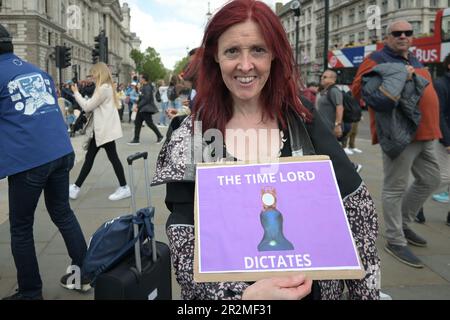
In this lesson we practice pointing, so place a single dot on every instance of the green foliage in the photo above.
(149, 62)
(138, 58)
(180, 65)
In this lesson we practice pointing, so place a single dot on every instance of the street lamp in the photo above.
(295, 6)
(208, 14)
(326, 35)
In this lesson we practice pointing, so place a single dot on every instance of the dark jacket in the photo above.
(442, 86)
(177, 170)
(146, 101)
(398, 117)
(428, 105)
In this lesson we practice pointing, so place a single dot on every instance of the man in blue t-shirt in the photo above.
(36, 155)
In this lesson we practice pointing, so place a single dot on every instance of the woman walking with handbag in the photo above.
(146, 108)
(106, 129)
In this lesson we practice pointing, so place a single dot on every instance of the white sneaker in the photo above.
(121, 193)
(74, 191)
(355, 150)
(348, 151)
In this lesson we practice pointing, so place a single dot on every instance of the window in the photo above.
(361, 36)
(446, 28)
(362, 12)
(351, 39)
(384, 6)
(351, 16)
(417, 27)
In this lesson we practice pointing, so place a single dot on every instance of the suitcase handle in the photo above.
(137, 156)
(130, 160)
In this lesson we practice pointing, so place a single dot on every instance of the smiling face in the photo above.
(244, 60)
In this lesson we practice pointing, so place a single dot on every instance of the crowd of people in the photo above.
(242, 77)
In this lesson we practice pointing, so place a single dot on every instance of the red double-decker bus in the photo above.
(431, 51)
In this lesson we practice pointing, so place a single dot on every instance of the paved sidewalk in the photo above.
(93, 208)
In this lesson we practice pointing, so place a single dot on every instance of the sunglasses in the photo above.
(407, 33)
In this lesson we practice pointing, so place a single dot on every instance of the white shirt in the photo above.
(163, 93)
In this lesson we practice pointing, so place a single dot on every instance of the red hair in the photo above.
(213, 103)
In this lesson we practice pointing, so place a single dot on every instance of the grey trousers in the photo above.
(400, 202)
(444, 165)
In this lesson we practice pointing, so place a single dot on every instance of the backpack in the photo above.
(114, 240)
(352, 109)
(172, 93)
(158, 96)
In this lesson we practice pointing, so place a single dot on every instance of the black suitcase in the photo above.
(136, 277)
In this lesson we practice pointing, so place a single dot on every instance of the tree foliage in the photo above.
(180, 65)
(149, 63)
(138, 58)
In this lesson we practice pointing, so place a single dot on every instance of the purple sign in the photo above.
(293, 219)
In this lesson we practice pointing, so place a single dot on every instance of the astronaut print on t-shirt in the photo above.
(31, 93)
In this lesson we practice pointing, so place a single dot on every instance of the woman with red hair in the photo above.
(247, 82)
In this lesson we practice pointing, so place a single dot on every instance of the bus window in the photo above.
(446, 29)
(346, 75)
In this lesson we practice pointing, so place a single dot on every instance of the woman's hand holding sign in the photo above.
(280, 288)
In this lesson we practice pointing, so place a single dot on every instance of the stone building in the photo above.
(37, 26)
(348, 25)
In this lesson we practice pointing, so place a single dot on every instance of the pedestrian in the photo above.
(442, 86)
(311, 92)
(162, 89)
(30, 118)
(189, 80)
(350, 140)
(132, 94)
(247, 81)
(120, 97)
(146, 109)
(401, 202)
(106, 128)
(172, 92)
(330, 104)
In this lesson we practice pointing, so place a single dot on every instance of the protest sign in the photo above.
(253, 221)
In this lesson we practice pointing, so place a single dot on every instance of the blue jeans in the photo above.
(163, 116)
(24, 190)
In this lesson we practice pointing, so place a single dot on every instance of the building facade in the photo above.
(351, 23)
(37, 26)
(307, 36)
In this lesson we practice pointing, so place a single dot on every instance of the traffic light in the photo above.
(63, 56)
(95, 56)
(100, 51)
(105, 50)
(75, 73)
(67, 57)
(58, 54)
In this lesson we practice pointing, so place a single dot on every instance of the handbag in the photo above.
(88, 131)
(114, 240)
(134, 114)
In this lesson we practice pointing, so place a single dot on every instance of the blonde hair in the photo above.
(102, 75)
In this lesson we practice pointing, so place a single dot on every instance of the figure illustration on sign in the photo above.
(272, 223)
(34, 89)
